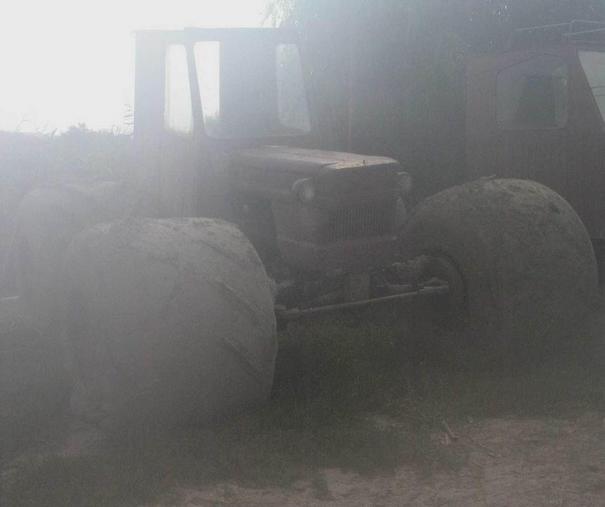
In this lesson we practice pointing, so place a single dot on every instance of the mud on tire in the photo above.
(524, 256)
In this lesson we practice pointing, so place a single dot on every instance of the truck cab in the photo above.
(536, 111)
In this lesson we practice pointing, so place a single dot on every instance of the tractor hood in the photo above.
(311, 162)
(338, 178)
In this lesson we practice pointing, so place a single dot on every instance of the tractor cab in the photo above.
(225, 84)
(537, 111)
(224, 126)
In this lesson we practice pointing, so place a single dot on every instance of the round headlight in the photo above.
(304, 190)
(405, 183)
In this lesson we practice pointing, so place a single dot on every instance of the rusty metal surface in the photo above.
(570, 160)
(310, 161)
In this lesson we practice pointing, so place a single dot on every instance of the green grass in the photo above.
(346, 396)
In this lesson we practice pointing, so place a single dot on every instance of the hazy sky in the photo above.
(71, 61)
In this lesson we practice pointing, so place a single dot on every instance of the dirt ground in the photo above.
(532, 439)
(511, 462)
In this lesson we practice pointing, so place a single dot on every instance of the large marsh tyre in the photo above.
(170, 321)
(35, 377)
(47, 219)
(518, 258)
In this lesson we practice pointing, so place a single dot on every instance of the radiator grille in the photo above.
(360, 222)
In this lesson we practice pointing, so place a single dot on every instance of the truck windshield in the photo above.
(593, 63)
(253, 91)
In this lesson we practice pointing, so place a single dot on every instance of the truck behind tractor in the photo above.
(536, 111)
(169, 315)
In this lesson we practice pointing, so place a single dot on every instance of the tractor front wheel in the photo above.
(518, 259)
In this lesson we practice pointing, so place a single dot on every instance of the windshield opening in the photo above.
(593, 63)
(251, 91)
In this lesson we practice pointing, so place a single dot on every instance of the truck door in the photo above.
(517, 117)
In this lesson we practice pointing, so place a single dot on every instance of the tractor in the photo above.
(165, 290)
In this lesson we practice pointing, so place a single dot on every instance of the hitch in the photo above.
(292, 314)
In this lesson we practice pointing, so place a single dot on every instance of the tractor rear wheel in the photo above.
(46, 221)
(169, 321)
(520, 262)
(35, 378)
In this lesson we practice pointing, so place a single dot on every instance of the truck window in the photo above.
(533, 94)
(593, 63)
(178, 112)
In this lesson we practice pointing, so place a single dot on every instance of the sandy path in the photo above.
(511, 462)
